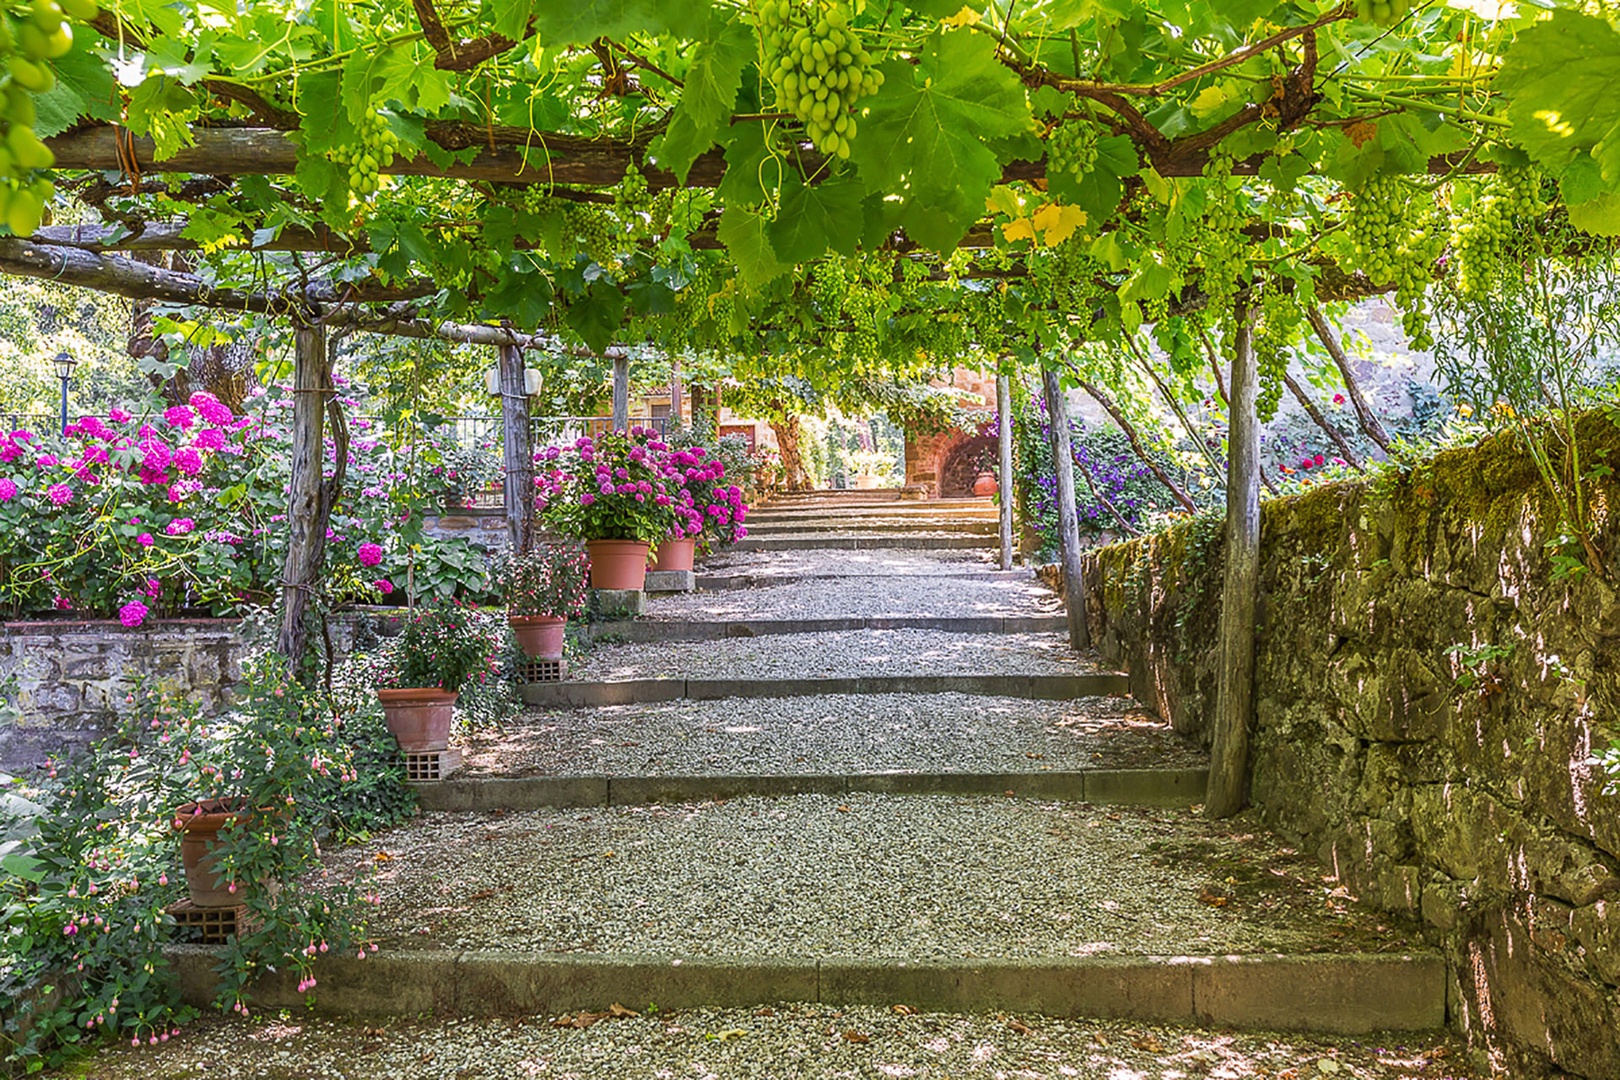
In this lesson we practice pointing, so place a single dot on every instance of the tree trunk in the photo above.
(516, 451)
(1004, 490)
(787, 445)
(1364, 414)
(1315, 414)
(1074, 588)
(621, 393)
(1234, 704)
(310, 497)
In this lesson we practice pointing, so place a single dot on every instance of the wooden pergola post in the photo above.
(621, 393)
(517, 450)
(1074, 588)
(1234, 703)
(1004, 492)
(309, 496)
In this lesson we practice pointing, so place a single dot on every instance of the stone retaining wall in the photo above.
(1455, 786)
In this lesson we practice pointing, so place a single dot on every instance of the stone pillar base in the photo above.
(671, 581)
(618, 603)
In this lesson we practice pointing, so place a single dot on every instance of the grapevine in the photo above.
(1382, 12)
(1274, 332)
(1398, 238)
(818, 67)
(828, 289)
(367, 158)
(1221, 240)
(1071, 147)
(27, 45)
(1483, 238)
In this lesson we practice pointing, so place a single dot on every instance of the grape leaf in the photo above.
(1562, 79)
(520, 295)
(84, 87)
(710, 91)
(587, 20)
(923, 134)
(815, 217)
(597, 316)
(746, 235)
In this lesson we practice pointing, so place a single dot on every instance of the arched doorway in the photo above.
(963, 463)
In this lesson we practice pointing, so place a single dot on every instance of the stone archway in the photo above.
(962, 465)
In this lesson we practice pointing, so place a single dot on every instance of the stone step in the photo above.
(581, 694)
(896, 512)
(1113, 787)
(761, 530)
(840, 542)
(719, 580)
(1354, 994)
(646, 630)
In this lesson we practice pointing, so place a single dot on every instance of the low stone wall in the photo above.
(1428, 700)
(72, 677)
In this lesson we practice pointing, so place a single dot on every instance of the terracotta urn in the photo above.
(984, 484)
(419, 717)
(539, 636)
(618, 564)
(199, 824)
(675, 554)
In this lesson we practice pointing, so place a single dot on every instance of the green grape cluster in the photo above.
(828, 288)
(367, 158)
(634, 198)
(1220, 236)
(1398, 236)
(1071, 147)
(1484, 236)
(592, 230)
(29, 41)
(818, 67)
(1275, 331)
(1382, 12)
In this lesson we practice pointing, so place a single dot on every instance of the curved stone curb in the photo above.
(585, 695)
(680, 630)
(1351, 994)
(1136, 787)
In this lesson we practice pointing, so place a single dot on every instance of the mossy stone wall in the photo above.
(1463, 794)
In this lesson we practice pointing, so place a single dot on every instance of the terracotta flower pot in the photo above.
(865, 482)
(985, 484)
(199, 824)
(618, 564)
(539, 636)
(676, 554)
(419, 717)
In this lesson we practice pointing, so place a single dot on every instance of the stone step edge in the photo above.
(1112, 787)
(582, 694)
(645, 630)
(864, 543)
(1344, 994)
(710, 582)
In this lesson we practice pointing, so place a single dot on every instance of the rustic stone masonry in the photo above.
(1429, 699)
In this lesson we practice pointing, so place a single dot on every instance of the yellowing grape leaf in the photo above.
(1057, 222)
(966, 17)
(1019, 229)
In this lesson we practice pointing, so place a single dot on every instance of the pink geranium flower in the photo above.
(369, 554)
(145, 540)
(8, 489)
(133, 613)
(212, 409)
(60, 494)
(180, 526)
(180, 416)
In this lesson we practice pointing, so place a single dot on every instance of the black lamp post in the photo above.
(64, 371)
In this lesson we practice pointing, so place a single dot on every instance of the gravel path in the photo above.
(838, 653)
(837, 734)
(805, 1042)
(858, 875)
(852, 563)
(876, 595)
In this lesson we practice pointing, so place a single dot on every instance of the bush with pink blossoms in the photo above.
(618, 486)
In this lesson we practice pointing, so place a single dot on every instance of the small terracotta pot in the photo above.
(676, 554)
(199, 824)
(539, 636)
(865, 482)
(419, 717)
(985, 484)
(618, 564)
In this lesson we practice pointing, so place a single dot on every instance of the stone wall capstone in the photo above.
(1429, 697)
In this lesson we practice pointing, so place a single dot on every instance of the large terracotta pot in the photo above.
(618, 564)
(676, 554)
(198, 824)
(539, 636)
(865, 482)
(984, 484)
(419, 717)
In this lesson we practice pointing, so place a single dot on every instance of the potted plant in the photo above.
(873, 468)
(693, 474)
(199, 824)
(420, 677)
(545, 587)
(617, 493)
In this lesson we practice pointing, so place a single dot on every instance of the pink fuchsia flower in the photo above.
(188, 461)
(180, 416)
(60, 494)
(8, 489)
(62, 603)
(369, 554)
(180, 526)
(383, 585)
(133, 614)
(212, 409)
(145, 540)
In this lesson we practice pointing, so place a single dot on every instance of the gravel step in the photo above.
(917, 879)
(980, 595)
(721, 582)
(1114, 787)
(918, 541)
(1351, 994)
(897, 653)
(832, 735)
(644, 630)
(580, 694)
(771, 528)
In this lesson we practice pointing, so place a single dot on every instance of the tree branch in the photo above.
(1364, 414)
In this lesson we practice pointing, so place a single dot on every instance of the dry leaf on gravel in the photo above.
(904, 1010)
(1148, 1043)
(856, 1037)
(1020, 1027)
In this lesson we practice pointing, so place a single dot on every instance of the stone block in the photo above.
(668, 581)
(1344, 995)
(618, 603)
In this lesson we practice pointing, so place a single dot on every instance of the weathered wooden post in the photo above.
(306, 507)
(1004, 492)
(675, 392)
(517, 450)
(1057, 413)
(1234, 704)
(621, 391)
